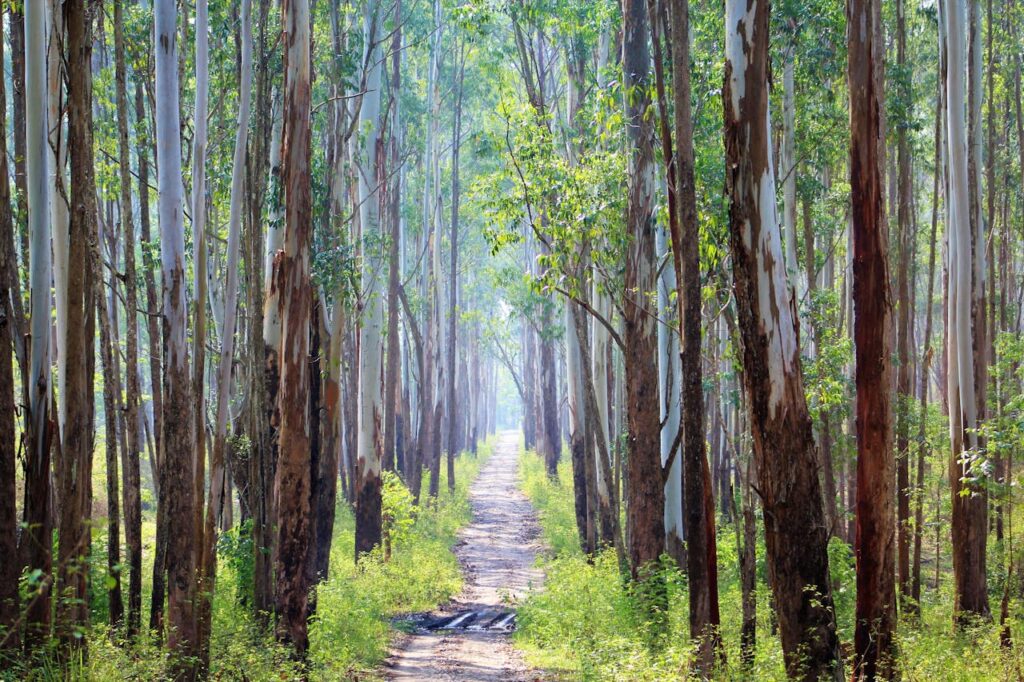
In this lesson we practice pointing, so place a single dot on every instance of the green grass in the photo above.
(585, 624)
(351, 632)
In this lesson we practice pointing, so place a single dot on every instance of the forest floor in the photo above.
(469, 639)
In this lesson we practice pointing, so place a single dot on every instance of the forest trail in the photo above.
(469, 639)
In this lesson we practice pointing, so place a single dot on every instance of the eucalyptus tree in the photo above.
(796, 536)
(131, 448)
(645, 492)
(74, 470)
(36, 542)
(200, 287)
(177, 471)
(702, 557)
(217, 499)
(10, 606)
(965, 253)
(874, 655)
(292, 279)
(367, 482)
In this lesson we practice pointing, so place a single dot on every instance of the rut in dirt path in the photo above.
(469, 640)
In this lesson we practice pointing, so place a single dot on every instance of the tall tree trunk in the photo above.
(875, 655)
(111, 413)
(371, 407)
(37, 539)
(199, 271)
(292, 279)
(969, 517)
(702, 552)
(130, 449)
(393, 370)
(177, 492)
(796, 538)
(10, 327)
(904, 322)
(645, 491)
(215, 503)
(926, 356)
(265, 533)
(75, 466)
(453, 285)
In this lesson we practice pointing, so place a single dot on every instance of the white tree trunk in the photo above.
(59, 217)
(370, 443)
(788, 163)
(960, 371)
(40, 264)
(670, 382)
(275, 240)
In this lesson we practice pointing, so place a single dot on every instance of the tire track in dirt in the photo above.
(497, 552)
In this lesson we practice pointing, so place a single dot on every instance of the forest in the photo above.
(511, 340)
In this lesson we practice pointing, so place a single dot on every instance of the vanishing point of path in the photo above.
(469, 640)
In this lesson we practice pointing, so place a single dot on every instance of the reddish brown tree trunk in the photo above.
(292, 486)
(75, 467)
(9, 324)
(872, 329)
(645, 488)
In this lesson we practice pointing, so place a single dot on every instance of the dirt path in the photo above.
(469, 640)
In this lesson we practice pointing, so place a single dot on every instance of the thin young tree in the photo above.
(796, 535)
(702, 555)
(131, 446)
(216, 501)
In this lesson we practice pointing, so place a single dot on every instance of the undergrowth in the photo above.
(349, 634)
(585, 623)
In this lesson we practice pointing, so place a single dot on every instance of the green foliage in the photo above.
(583, 625)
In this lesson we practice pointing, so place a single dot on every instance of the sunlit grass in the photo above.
(351, 632)
(584, 624)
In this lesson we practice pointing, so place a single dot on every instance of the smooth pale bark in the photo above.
(199, 266)
(177, 493)
(796, 537)
(59, 195)
(874, 645)
(670, 379)
(371, 366)
(216, 502)
(969, 517)
(131, 446)
(292, 278)
(645, 489)
(702, 554)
